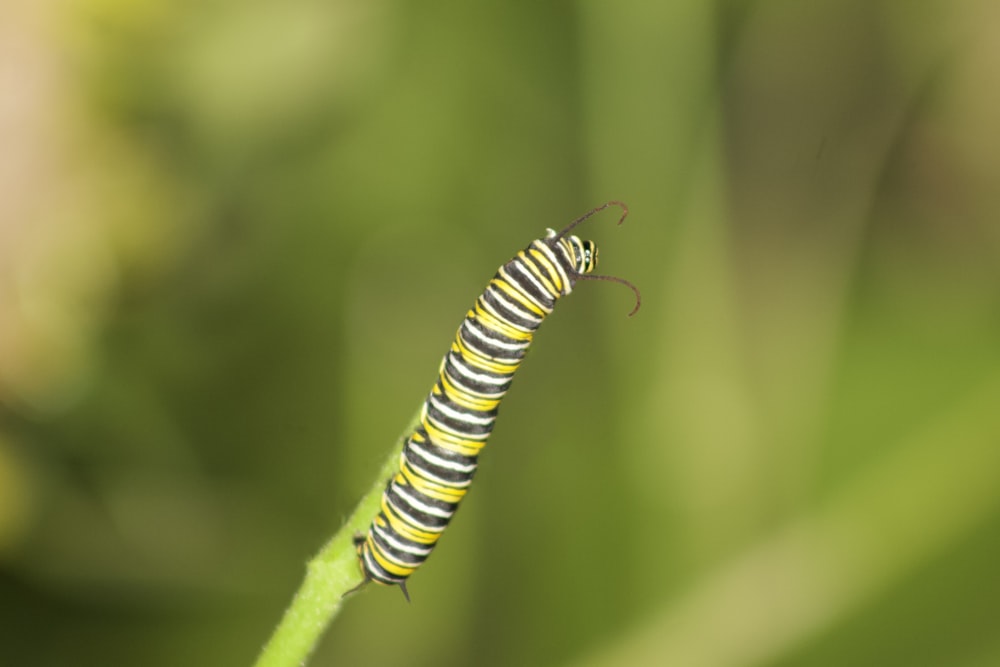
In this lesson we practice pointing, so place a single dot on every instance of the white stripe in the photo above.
(467, 468)
(461, 416)
(474, 349)
(548, 252)
(399, 511)
(412, 548)
(503, 318)
(427, 476)
(516, 346)
(461, 384)
(455, 435)
(501, 296)
(372, 565)
(526, 272)
(423, 507)
(460, 366)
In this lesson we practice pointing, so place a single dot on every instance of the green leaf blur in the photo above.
(237, 237)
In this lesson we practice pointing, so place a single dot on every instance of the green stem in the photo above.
(331, 574)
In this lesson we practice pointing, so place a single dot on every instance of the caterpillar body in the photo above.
(440, 456)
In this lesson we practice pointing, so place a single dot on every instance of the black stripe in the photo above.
(566, 258)
(423, 467)
(493, 334)
(550, 251)
(440, 451)
(414, 516)
(390, 552)
(456, 424)
(457, 359)
(488, 347)
(376, 572)
(516, 269)
(510, 314)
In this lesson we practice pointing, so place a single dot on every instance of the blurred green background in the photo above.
(237, 237)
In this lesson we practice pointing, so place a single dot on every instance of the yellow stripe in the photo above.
(509, 277)
(535, 271)
(568, 255)
(477, 360)
(464, 398)
(543, 259)
(450, 442)
(390, 566)
(494, 323)
(404, 529)
(518, 296)
(448, 494)
(381, 558)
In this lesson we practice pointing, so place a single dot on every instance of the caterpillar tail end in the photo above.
(359, 541)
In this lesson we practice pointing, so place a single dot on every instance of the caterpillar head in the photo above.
(584, 253)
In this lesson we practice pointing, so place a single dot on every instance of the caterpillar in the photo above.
(440, 457)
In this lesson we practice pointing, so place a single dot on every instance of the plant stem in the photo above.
(330, 574)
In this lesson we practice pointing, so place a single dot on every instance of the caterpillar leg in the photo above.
(359, 542)
(366, 580)
(356, 588)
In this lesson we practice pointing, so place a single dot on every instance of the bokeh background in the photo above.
(236, 238)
